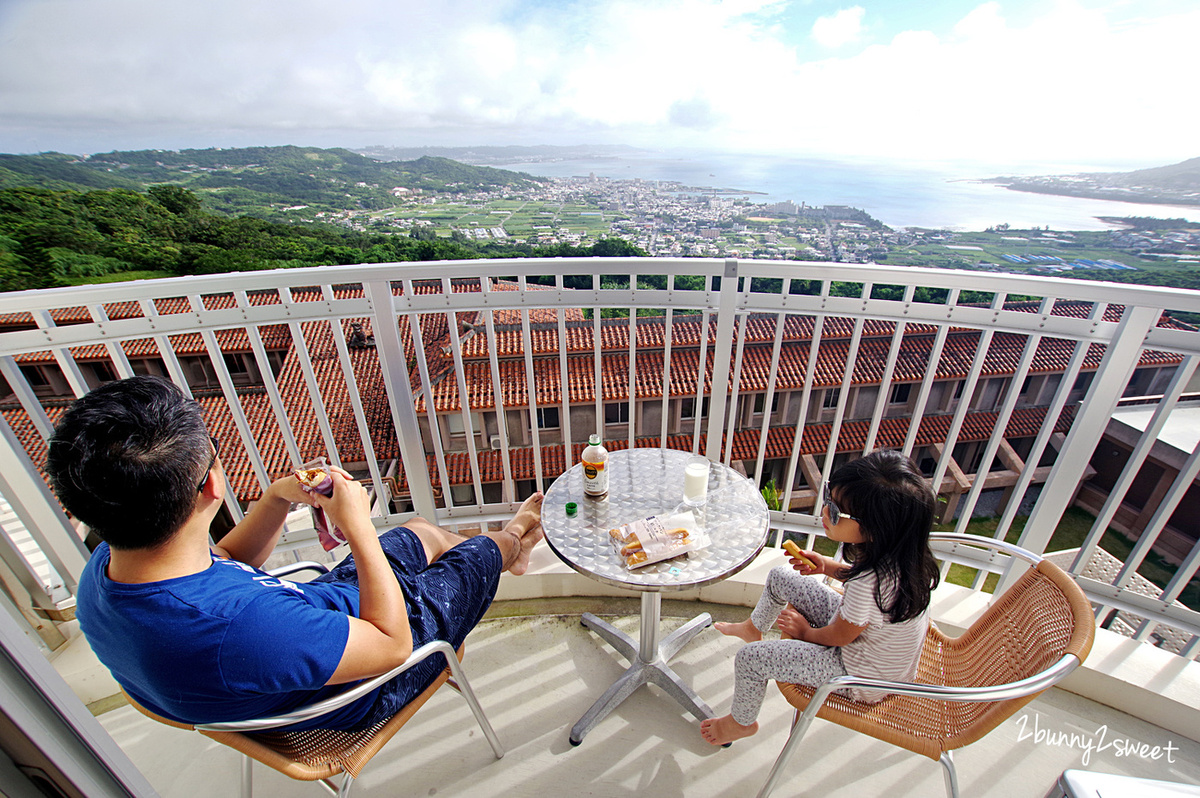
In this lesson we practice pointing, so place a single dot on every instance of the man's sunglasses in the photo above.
(835, 512)
(216, 444)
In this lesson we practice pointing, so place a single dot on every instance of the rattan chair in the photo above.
(321, 754)
(1029, 638)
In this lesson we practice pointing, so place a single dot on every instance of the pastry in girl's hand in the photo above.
(791, 548)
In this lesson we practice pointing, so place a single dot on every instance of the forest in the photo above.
(52, 238)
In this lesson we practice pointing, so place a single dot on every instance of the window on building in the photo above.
(616, 413)
(830, 400)
(46, 379)
(900, 393)
(101, 372)
(104, 371)
(1140, 383)
(236, 363)
(760, 401)
(35, 377)
(547, 418)
(149, 365)
(959, 388)
(687, 408)
(275, 359)
(199, 371)
(454, 423)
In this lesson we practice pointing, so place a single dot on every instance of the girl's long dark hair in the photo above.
(894, 506)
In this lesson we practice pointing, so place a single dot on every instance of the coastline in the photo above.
(1113, 195)
(899, 195)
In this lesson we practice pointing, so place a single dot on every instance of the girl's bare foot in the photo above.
(527, 526)
(724, 730)
(745, 630)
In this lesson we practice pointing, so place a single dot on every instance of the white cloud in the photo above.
(838, 29)
(1071, 81)
(984, 22)
(1070, 84)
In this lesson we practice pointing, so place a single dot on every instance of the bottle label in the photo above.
(595, 478)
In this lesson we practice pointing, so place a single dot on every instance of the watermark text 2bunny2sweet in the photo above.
(1101, 741)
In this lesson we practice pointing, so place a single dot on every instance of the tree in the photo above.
(616, 248)
(176, 199)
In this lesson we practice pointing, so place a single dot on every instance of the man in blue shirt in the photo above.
(197, 632)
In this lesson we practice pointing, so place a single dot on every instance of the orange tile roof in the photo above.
(977, 426)
(274, 337)
(760, 328)
(1001, 359)
(651, 333)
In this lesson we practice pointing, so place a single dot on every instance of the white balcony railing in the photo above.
(367, 365)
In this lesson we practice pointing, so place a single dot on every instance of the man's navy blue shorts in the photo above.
(446, 599)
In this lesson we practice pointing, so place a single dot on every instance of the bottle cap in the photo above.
(572, 508)
(594, 440)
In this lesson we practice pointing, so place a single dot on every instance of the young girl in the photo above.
(881, 508)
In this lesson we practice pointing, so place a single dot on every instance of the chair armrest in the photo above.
(999, 692)
(296, 567)
(341, 699)
(956, 541)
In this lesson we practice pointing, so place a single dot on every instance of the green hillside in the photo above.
(55, 170)
(261, 181)
(1177, 184)
(1180, 177)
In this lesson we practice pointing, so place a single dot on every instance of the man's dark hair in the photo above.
(126, 459)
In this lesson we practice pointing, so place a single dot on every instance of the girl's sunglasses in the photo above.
(835, 512)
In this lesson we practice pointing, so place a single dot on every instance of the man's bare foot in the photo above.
(724, 730)
(745, 630)
(527, 526)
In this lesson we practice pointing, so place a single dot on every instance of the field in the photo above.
(520, 219)
(1045, 252)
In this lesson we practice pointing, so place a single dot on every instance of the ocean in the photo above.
(898, 196)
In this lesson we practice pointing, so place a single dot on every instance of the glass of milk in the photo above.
(695, 480)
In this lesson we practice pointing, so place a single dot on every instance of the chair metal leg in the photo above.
(950, 773)
(799, 726)
(458, 679)
(247, 777)
(347, 783)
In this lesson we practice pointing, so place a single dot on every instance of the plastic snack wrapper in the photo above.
(314, 478)
(658, 538)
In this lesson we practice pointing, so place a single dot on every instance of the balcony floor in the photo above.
(537, 673)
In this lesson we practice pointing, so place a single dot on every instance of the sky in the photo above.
(1025, 83)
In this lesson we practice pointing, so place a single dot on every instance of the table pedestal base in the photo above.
(648, 660)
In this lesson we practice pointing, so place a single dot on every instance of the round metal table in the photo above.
(643, 483)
